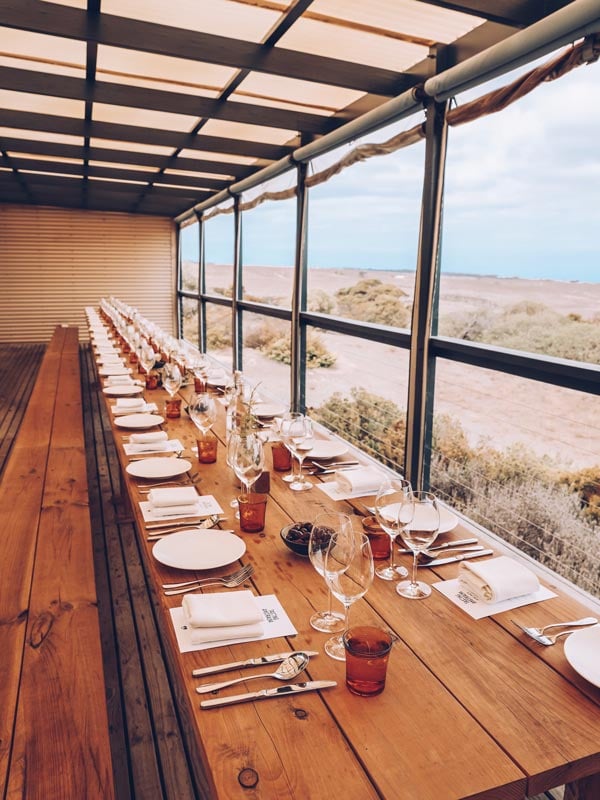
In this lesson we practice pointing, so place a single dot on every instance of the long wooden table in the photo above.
(471, 709)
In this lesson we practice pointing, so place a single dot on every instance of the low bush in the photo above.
(371, 300)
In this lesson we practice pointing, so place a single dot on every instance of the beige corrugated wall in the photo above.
(55, 262)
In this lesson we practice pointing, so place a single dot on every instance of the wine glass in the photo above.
(349, 573)
(146, 358)
(297, 435)
(171, 378)
(324, 526)
(203, 412)
(418, 535)
(248, 459)
(393, 512)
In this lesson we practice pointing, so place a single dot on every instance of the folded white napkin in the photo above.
(497, 579)
(130, 402)
(187, 510)
(118, 380)
(365, 480)
(178, 496)
(221, 609)
(146, 438)
(145, 407)
(149, 447)
(202, 635)
(222, 616)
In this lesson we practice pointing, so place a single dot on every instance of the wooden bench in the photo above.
(54, 740)
(150, 759)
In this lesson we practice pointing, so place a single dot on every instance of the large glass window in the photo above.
(358, 389)
(266, 343)
(268, 246)
(189, 309)
(520, 250)
(522, 459)
(219, 238)
(363, 228)
(190, 257)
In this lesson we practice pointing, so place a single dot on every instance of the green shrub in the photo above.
(321, 302)
(371, 300)
(317, 354)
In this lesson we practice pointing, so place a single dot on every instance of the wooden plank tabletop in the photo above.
(469, 709)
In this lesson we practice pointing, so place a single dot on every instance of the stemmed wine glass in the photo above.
(326, 524)
(393, 511)
(349, 573)
(419, 534)
(146, 358)
(248, 460)
(171, 378)
(296, 434)
(203, 412)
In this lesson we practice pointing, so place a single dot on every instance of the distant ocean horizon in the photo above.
(592, 277)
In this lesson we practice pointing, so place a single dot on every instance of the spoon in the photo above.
(425, 557)
(293, 665)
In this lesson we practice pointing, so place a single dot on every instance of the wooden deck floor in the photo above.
(20, 364)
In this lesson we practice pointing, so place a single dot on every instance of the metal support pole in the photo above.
(236, 311)
(201, 287)
(420, 397)
(298, 329)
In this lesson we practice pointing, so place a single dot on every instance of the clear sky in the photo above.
(522, 196)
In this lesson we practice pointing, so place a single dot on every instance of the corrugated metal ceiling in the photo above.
(152, 107)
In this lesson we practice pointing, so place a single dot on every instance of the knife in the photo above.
(263, 694)
(154, 537)
(445, 546)
(439, 561)
(249, 662)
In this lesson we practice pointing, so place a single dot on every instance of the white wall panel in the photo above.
(55, 262)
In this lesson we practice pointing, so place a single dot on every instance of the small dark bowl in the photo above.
(298, 544)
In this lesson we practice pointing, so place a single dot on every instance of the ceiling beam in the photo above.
(134, 133)
(20, 163)
(58, 20)
(56, 85)
(57, 150)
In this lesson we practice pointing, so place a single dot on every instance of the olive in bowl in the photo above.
(296, 536)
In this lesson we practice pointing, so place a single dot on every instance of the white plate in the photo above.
(199, 549)
(123, 390)
(323, 448)
(261, 410)
(139, 421)
(161, 467)
(582, 651)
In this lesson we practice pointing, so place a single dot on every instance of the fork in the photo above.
(578, 623)
(228, 581)
(550, 640)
